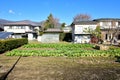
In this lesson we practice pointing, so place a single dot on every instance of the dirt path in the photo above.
(6, 63)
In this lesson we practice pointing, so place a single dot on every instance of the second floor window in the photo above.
(16, 27)
(10, 27)
(111, 24)
(21, 27)
(31, 28)
(118, 23)
(106, 23)
(78, 30)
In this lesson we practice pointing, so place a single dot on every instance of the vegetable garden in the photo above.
(63, 49)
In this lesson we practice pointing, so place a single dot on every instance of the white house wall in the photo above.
(28, 28)
(50, 38)
(79, 29)
(79, 35)
(17, 36)
(16, 30)
(30, 36)
(82, 39)
(19, 30)
(108, 24)
(5, 28)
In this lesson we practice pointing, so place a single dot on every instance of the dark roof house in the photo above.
(107, 19)
(24, 23)
(84, 23)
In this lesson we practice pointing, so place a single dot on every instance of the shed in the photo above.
(51, 35)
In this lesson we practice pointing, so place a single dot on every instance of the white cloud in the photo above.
(11, 12)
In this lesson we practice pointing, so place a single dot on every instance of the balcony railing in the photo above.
(18, 30)
(109, 27)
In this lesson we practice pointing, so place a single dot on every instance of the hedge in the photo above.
(9, 44)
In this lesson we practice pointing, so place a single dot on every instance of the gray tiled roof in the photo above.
(85, 22)
(24, 22)
(107, 19)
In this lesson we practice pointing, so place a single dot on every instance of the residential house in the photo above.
(78, 31)
(22, 29)
(110, 29)
(50, 35)
(3, 21)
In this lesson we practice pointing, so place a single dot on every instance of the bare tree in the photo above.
(113, 30)
(95, 34)
(81, 17)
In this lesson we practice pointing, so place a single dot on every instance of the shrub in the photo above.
(66, 37)
(62, 36)
(9, 44)
(63, 49)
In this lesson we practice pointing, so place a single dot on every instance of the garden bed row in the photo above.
(67, 50)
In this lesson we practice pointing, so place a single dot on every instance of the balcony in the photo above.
(109, 27)
(16, 30)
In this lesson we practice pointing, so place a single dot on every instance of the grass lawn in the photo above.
(62, 67)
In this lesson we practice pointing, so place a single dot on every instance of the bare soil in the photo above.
(61, 68)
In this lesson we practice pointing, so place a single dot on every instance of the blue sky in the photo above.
(64, 10)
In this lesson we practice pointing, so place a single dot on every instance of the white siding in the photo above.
(108, 25)
(5, 28)
(117, 24)
(39, 38)
(30, 36)
(50, 38)
(80, 29)
(15, 29)
(82, 39)
(19, 30)
(79, 35)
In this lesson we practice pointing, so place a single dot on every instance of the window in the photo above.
(110, 36)
(106, 36)
(22, 27)
(78, 30)
(119, 37)
(113, 24)
(10, 27)
(106, 24)
(118, 23)
(31, 27)
(19, 27)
